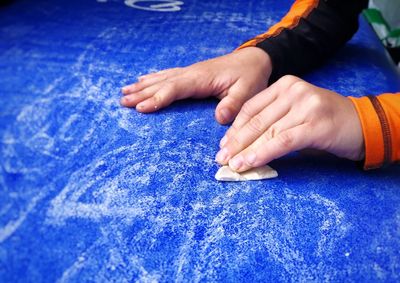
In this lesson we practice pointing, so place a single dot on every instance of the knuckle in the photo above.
(246, 109)
(148, 91)
(299, 87)
(312, 124)
(197, 76)
(199, 71)
(137, 86)
(235, 144)
(271, 132)
(256, 124)
(172, 71)
(161, 95)
(197, 68)
(316, 103)
(164, 76)
(288, 80)
(232, 130)
(144, 92)
(157, 98)
(170, 86)
(286, 140)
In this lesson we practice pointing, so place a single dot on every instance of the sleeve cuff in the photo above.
(372, 131)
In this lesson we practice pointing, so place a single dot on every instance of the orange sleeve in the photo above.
(380, 121)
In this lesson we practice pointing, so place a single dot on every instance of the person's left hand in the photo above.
(291, 115)
(233, 78)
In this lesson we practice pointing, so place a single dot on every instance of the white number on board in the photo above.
(155, 5)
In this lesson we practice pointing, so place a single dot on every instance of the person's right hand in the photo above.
(233, 78)
(291, 115)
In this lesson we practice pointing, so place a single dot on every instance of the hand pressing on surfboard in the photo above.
(291, 115)
(233, 78)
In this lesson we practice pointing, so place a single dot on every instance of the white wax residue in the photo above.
(225, 173)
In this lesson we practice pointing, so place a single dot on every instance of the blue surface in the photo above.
(91, 191)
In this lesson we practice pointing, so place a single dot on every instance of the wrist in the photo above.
(258, 57)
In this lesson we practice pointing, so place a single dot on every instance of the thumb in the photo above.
(229, 106)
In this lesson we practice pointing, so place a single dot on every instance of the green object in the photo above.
(390, 38)
(374, 16)
(394, 38)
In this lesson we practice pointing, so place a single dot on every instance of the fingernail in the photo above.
(251, 158)
(141, 106)
(223, 141)
(222, 155)
(225, 114)
(236, 162)
(124, 89)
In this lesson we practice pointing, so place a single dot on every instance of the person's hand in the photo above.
(291, 115)
(233, 78)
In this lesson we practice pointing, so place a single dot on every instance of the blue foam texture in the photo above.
(93, 192)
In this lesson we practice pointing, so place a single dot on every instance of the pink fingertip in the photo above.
(122, 101)
(124, 89)
(225, 115)
(222, 156)
(236, 163)
(223, 142)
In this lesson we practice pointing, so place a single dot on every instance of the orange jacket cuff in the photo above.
(372, 131)
(380, 120)
(391, 104)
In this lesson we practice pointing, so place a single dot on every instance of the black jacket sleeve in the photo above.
(309, 35)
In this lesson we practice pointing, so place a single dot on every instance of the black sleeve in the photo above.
(313, 38)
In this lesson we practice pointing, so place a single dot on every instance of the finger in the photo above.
(255, 105)
(265, 149)
(131, 100)
(243, 116)
(258, 125)
(170, 72)
(170, 91)
(230, 105)
(292, 119)
(249, 110)
(144, 83)
(151, 79)
(146, 76)
(149, 75)
(263, 99)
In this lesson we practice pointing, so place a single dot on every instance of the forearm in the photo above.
(309, 34)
